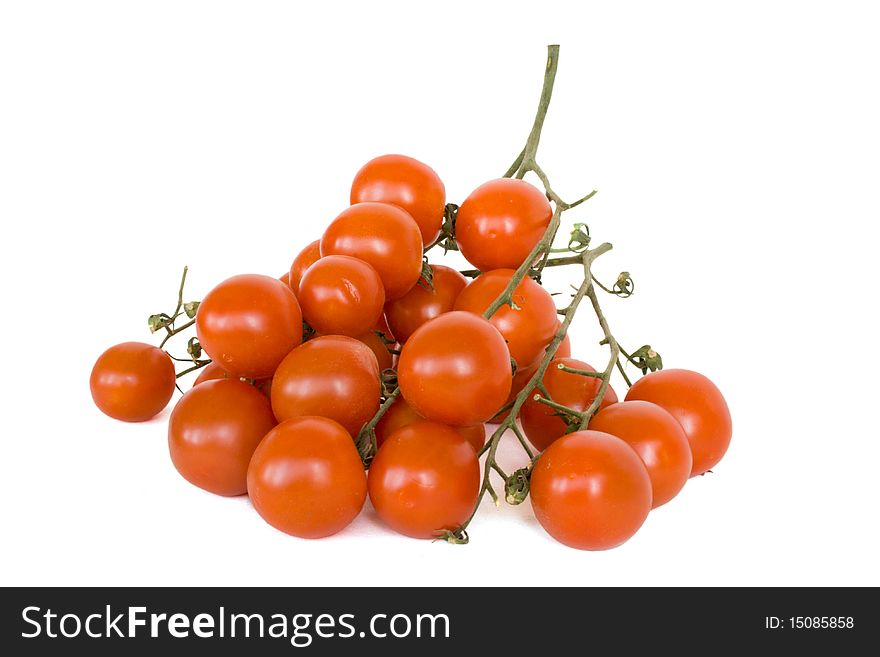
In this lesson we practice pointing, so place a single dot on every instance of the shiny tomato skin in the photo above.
(306, 478)
(590, 490)
(132, 381)
(402, 414)
(248, 324)
(330, 376)
(213, 432)
(341, 295)
(304, 259)
(500, 223)
(657, 438)
(529, 328)
(455, 369)
(699, 407)
(424, 480)
(406, 183)
(423, 303)
(539, 422)
(383, 235)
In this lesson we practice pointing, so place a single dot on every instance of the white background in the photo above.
(735, 150)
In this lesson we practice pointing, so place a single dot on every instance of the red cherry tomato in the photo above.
(500, 223)
(306, 478)
(401, 414)
(657, 438)
(248, 324)
(590, 490)
(213, 432)
(455, 369)
(424, 480)
(383, 357)
(384, 236)
(697, 404)
(541, 423)
(341, 295)
(132, 381)
(305, 259)
(529, 328)
(423, 303)
(406, 183)
(331, 376)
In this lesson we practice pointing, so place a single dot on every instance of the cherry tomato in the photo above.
(132, 381)
(331, 376)
(306, 478)
(374, 341)
(306, 258)
(590, 490)
(500, 223)
(384, 236)
(213, 432)
(248, 324)
(424, 480)
(657, 438)
(541, 423)
(529, 328)
(424, 302)
(341, 295)
(401, 414)
(697, 404)
(406, 183)
(455, 369)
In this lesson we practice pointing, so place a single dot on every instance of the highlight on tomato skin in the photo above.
(500, 223)
(341, 295)
(330, 376)
(425, 479)
(455, 369)
(407, 183)
(590, 490)
(306, 478)
(248, 323)
(383, 235)
(132, 381)
(699, 407)
(213, 432)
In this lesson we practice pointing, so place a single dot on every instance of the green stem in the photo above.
(574, 370)
(199, 365)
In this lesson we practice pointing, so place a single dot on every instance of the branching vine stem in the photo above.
(523, 164)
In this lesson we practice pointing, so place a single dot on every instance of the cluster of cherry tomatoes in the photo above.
(299, 365)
